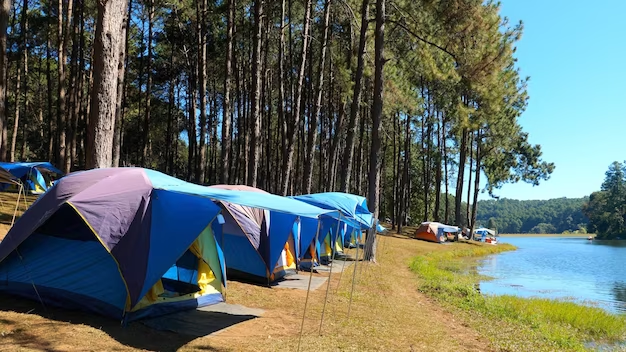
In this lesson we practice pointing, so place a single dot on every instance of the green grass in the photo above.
(513, 323)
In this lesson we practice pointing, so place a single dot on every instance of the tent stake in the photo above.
(306, 301)
(330, 272)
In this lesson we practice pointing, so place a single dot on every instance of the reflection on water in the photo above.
(619, 290)
(589, 272)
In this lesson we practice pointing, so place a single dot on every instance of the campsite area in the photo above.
(385, 311)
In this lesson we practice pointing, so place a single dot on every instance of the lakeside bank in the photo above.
(511, 322)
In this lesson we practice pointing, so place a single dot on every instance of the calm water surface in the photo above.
(589, 272)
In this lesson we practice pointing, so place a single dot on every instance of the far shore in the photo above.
(585, 235)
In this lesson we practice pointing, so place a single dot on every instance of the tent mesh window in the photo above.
(181, 279)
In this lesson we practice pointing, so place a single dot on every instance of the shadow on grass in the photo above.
(6, 218)
(136, 334)
(402, 236)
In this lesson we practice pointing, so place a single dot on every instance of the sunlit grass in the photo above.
(513, 323)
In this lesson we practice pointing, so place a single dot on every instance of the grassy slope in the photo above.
(513, 323)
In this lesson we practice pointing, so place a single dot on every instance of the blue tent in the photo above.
(118, 242)
(355, 217)
(34, 175)
(261, 245)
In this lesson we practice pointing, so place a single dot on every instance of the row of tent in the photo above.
(130, 243)
(438, 232)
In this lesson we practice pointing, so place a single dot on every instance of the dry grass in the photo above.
(387, 314)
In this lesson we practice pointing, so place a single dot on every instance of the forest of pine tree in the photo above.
(400, 101)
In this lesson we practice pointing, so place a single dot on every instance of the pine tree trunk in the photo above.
(87, 112)
(5, 8)
(51, 132)
(377, 112)
(16, 119)
(312, 140)
(404, 192)
(78, 137)
(74, 86)
(291, 135)
(121, 88)
(438, 174)
(191, 123)
(23, 51)
(227, 109)
(476, 182)
(146, 122)
(445, 167)
(61, 108)
(470, 138)
(346, 167)
(107, 42)
(255, 115)
(40, 123)
(170, 107)
(423, 141)
(459, 180)
(396, 169)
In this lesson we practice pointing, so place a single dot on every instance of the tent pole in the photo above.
(330, 272)
(354, 274)
(17, 204)
(306, 301)
(25, 203)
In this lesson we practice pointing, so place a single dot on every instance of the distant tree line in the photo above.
(533, 216)
(606, 208)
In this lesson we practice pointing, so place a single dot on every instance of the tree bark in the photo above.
(291, 135)
(49, 96)
(308, 165)
(470, 138)
(21, 51)
(121, 88)
(377, 113)
(476, 182)
(348, 153)
(459, 180)
(148, 111)
(104, 94)
(227, 109)
(5, 8)
(445, 167)
(61, 108)
(16, 119)
(74, 87)
(436, 211)
(255, 114)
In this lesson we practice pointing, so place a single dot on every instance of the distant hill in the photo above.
(533, 216)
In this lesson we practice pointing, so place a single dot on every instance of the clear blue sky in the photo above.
(575, 55)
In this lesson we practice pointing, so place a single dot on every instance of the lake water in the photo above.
(588, 272)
